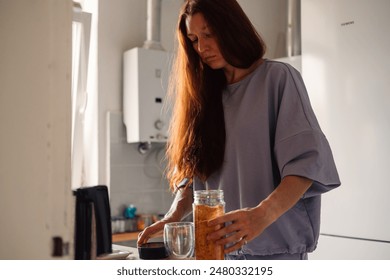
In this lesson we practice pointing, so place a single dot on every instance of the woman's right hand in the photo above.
(181, 207)
(154, 230)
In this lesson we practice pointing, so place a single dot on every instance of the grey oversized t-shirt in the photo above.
(272, 132)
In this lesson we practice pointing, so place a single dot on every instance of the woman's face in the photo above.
(204, 41)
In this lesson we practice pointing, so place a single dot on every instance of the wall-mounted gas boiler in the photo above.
(146, 115)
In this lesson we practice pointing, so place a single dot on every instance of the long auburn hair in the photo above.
(197, 130)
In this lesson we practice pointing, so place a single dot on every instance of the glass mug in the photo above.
(179, 239)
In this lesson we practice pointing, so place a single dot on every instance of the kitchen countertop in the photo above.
(119, 249)
(125, 236)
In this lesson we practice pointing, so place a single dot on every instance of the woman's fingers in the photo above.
(224, 231)
(151, 231)
(237, 232)
(236, 246)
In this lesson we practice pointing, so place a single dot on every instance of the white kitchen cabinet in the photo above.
(35, 121)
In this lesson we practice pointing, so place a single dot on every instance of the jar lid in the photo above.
(209, 197)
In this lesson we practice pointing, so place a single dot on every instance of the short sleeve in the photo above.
(300, 146)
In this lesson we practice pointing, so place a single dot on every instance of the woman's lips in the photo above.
(209, 58)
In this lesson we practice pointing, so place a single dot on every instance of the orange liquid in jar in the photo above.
(205, 249)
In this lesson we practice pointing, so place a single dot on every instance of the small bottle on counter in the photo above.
(208, 204)
(130, 212)
(130, 218)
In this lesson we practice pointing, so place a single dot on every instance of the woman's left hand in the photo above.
(242, 226)
(245, 224)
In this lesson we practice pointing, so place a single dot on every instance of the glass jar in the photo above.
(208, 204)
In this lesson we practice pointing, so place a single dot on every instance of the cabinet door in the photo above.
(35, 122)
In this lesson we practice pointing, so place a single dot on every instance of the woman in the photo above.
(244, 124)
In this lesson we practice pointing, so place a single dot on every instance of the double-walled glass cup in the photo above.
(179, 240)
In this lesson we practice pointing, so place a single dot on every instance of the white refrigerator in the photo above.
(346, 68)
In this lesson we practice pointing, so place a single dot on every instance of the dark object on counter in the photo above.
(152, 251)
(93, 235)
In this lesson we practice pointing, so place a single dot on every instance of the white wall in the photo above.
(122, 26)
(269, 18)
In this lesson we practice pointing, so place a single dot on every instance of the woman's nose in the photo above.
(202, 46)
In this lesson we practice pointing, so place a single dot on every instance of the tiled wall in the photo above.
(136, 178)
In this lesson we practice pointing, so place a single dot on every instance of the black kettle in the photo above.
(92, 223)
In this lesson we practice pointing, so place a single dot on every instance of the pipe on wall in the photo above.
(153, 25)
(293, 42)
